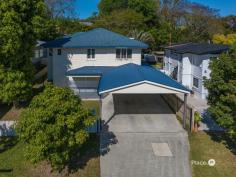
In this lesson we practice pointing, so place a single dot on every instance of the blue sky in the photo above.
(226, 7)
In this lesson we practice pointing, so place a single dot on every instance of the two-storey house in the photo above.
(189, 64)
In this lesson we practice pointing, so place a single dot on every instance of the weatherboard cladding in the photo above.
(131, 73)
(198, 48)
(96, 38)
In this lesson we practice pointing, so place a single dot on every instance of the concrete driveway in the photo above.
(142, 144)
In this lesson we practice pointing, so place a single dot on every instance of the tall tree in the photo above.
(61, 8)
(230, 23)
(222, 91)
(202, 23)
(122, 21)
(147, 7)
(107, 6)
(54, 126)
(18, 21)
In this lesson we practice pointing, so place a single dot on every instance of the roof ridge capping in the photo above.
(96, 38)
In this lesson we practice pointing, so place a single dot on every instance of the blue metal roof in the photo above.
(96, 38)
(131, 73)
(89, 71)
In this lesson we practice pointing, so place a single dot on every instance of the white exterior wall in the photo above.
(186, 71)
(107, 104)
(76, 58)
(171, 61)
(190, 66)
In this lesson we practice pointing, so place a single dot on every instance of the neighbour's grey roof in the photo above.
(198, 48)
(96, 38)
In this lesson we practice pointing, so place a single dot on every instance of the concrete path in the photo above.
(132, 144)
(200, 105)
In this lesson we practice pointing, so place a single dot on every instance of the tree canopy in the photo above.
(222, 91)
(54, 126)
(122, 21)
(224, 39)
(19, 21)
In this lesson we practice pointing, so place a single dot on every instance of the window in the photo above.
(91, 53)
(41, 53)
(123, 53)
(58, 51)
(196, 82)
(50, 52)
(118, 53)
(129, 53)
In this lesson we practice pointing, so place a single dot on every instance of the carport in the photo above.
(133, 89)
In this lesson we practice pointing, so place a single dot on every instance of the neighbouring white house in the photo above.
(102, 65)
(40, 53)
(189, 64)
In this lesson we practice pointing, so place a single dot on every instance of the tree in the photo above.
(202, 23)
(17, 40)
(54, 126)
(224, 39)
(142, 36)
(14, 86)
(166, 34)
(230, 23)
(146, 7)
(61, 8)
(222, 91)
(121, 21)
(107, 6)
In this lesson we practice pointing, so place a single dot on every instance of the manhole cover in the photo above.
(162, 149)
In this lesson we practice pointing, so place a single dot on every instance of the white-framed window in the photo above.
(195, 82)
(91, 54)
(124, 53)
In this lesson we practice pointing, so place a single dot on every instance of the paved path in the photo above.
(200, 105)
(127, 145)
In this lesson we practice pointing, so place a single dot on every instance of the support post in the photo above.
(100, 116)
(192, 120)
(185, 111)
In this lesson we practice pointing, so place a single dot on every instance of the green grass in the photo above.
(213, 146)
(14, 164)
(9, 112)
(12, 160)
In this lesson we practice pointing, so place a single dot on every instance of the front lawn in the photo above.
(14, 164)
(209, 146)
(9, 112)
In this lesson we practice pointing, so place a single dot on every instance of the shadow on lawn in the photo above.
(4, 108)
(222, 137)
(7, 143)
(88, 151)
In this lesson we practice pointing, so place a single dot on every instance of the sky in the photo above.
(226, 7)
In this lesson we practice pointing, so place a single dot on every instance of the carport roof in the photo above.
(131, 74)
